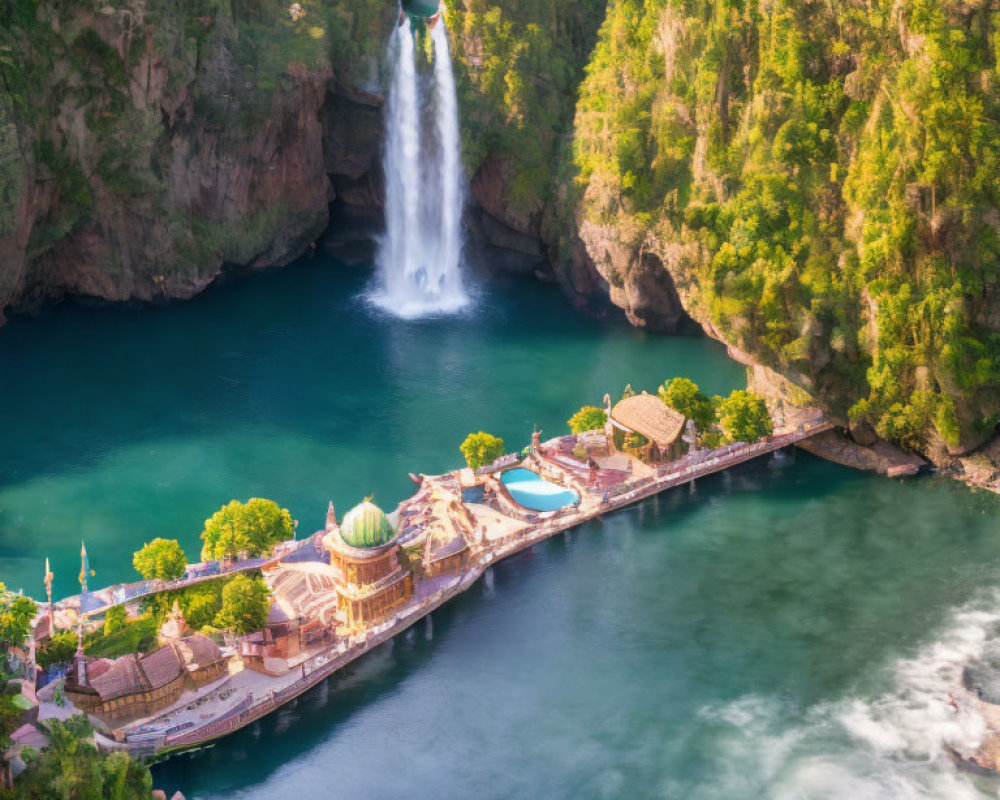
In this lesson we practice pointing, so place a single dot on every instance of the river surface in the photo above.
(787, 630)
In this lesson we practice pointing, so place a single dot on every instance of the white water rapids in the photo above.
(888, 747)
(419, 257)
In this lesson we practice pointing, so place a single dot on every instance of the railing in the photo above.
(126, 593)
(508, 460)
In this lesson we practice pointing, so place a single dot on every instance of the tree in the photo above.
(245, 605)
(115, 620)
(588, 418)
(201, 604)
(59, 650)
(16, 613)
(744, 417)
(160, 559)
(255, 526)
(683, 395)
(481, 449)
(71, 767)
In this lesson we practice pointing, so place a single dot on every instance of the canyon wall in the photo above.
(819, 182)
(147, 146)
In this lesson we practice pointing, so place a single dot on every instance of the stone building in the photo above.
(369, 579)
(138, 685)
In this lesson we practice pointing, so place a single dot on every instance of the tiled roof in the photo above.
(161, 666)
(198, 650)
(123, 676)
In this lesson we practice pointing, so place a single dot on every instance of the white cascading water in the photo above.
(419, 256)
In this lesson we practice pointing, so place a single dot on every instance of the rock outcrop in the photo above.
(777, 166)
(159, 149)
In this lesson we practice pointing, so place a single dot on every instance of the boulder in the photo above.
(862, 432)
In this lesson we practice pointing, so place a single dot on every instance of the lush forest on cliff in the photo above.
(821, 180)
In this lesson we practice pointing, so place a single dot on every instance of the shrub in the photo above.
(161, 559)
(744, 417)
(59, 650)
(115, 620)
(683, 395)
(588, 418)
(481, 449)
(245, 605)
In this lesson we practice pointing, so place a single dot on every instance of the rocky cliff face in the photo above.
(817, 182)
(146, 147)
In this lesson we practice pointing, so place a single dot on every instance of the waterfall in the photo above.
(450, 228)
(419, 255)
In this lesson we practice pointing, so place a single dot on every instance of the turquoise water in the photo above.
(787, 630)
(126, 424)
(530, 491)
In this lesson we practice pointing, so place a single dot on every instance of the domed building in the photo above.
(364, 555)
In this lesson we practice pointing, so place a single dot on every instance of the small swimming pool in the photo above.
(530, 491)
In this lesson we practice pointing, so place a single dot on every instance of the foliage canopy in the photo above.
(245, 605)
(254, 527)
(481, 449)
(588, 418)
(162, 559)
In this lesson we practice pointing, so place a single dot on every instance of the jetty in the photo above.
(366, 578)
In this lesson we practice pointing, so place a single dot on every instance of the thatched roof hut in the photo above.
(649, 416)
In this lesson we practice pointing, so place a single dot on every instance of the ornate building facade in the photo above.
(370, 581)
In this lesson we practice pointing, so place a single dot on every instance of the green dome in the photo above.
(366, 525)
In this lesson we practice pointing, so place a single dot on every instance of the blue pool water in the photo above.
(530, 491)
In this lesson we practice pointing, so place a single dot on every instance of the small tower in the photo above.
(331, 518)
(48, 591)
(536, 438)
(80, 660)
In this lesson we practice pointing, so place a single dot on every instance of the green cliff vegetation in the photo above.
(110, 113)
(521, 63)
(822, 180)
